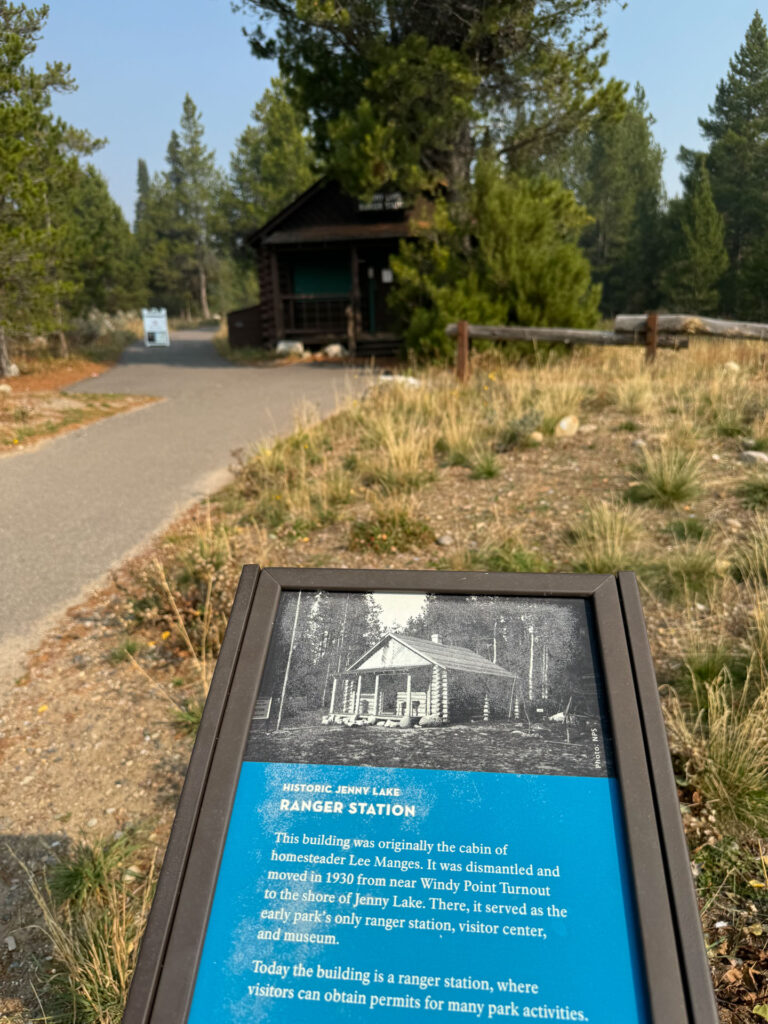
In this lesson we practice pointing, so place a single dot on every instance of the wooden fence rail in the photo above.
(651, 331)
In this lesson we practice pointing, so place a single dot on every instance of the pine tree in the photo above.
(196, 183)
(176, 228)
(737, 131)
(616, 172)
(271, 164)
(697, 243)
(142, 194)
(178, 219)
(101, 252)
(511, 257)
(408, 93)
(37, 164)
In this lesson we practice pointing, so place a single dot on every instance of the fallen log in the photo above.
(567, 335)
(684, 323)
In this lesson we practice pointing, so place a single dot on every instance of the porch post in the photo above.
(357, 695)
(277, 298)
(376, 695)
(333, 695)
(408, 696)
(444, 688)
(355, 299)
(433, 707)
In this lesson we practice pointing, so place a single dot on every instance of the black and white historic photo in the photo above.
(455, 682)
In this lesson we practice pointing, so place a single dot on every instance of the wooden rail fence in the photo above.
(652, 331)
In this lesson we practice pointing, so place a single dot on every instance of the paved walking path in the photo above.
(78, 505)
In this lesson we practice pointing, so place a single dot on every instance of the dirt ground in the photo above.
(35, 408)
(55, 375)
(88, 742)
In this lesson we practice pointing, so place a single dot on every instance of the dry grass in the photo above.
(93, 910)
(668, 475)
(751, 559)
(403, 459)
(724, 738)
(457, 434)
(633, 395)
(378, 481)
(606, 538)
(558, 396)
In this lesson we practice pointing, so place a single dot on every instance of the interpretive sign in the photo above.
(428, 795)
(155, 327)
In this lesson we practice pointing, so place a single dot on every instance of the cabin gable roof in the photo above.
(418, 652)
(326, 212)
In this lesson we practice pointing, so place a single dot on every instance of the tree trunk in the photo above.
(60, 335)
(459, 166)
(5, 359)
(63, 345)
(205, 311)
(459, 177)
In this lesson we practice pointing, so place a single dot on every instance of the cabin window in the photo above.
(329, 275)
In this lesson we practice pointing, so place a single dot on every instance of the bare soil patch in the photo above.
(54, 375)
(37, 408)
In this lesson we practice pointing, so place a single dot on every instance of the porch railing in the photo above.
(315, 314)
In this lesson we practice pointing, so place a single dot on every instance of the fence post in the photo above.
(349, 312)
(462, 351)
(651, 336)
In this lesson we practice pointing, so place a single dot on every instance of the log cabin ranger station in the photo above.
(404, 678)
(407, 677)
(324, 276)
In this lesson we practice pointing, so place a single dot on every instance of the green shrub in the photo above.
(506, 556)
(393, 528)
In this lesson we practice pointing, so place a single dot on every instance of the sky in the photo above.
(396, 609)
(134, 61)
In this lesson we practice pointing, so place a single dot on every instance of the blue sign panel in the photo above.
(365, 871)
(488, 896)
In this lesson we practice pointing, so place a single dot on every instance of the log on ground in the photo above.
(684, 323)
(567, 335)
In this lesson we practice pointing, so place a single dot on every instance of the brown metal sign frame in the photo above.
(677, 975)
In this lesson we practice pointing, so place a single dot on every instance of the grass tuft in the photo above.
(750, 561)
(754, 490)
(690, 528)
(604, 539)
(124, 651)
(93, 912)
(87, 869)
(392, 528)
(725, 739)
(667, 476)
(485, 466)
(687, 572)
(506, 556)
(633, 395)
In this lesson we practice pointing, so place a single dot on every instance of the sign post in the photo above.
(440, 793)
(155, 327)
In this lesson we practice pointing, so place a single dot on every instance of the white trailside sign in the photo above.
(155, 327)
